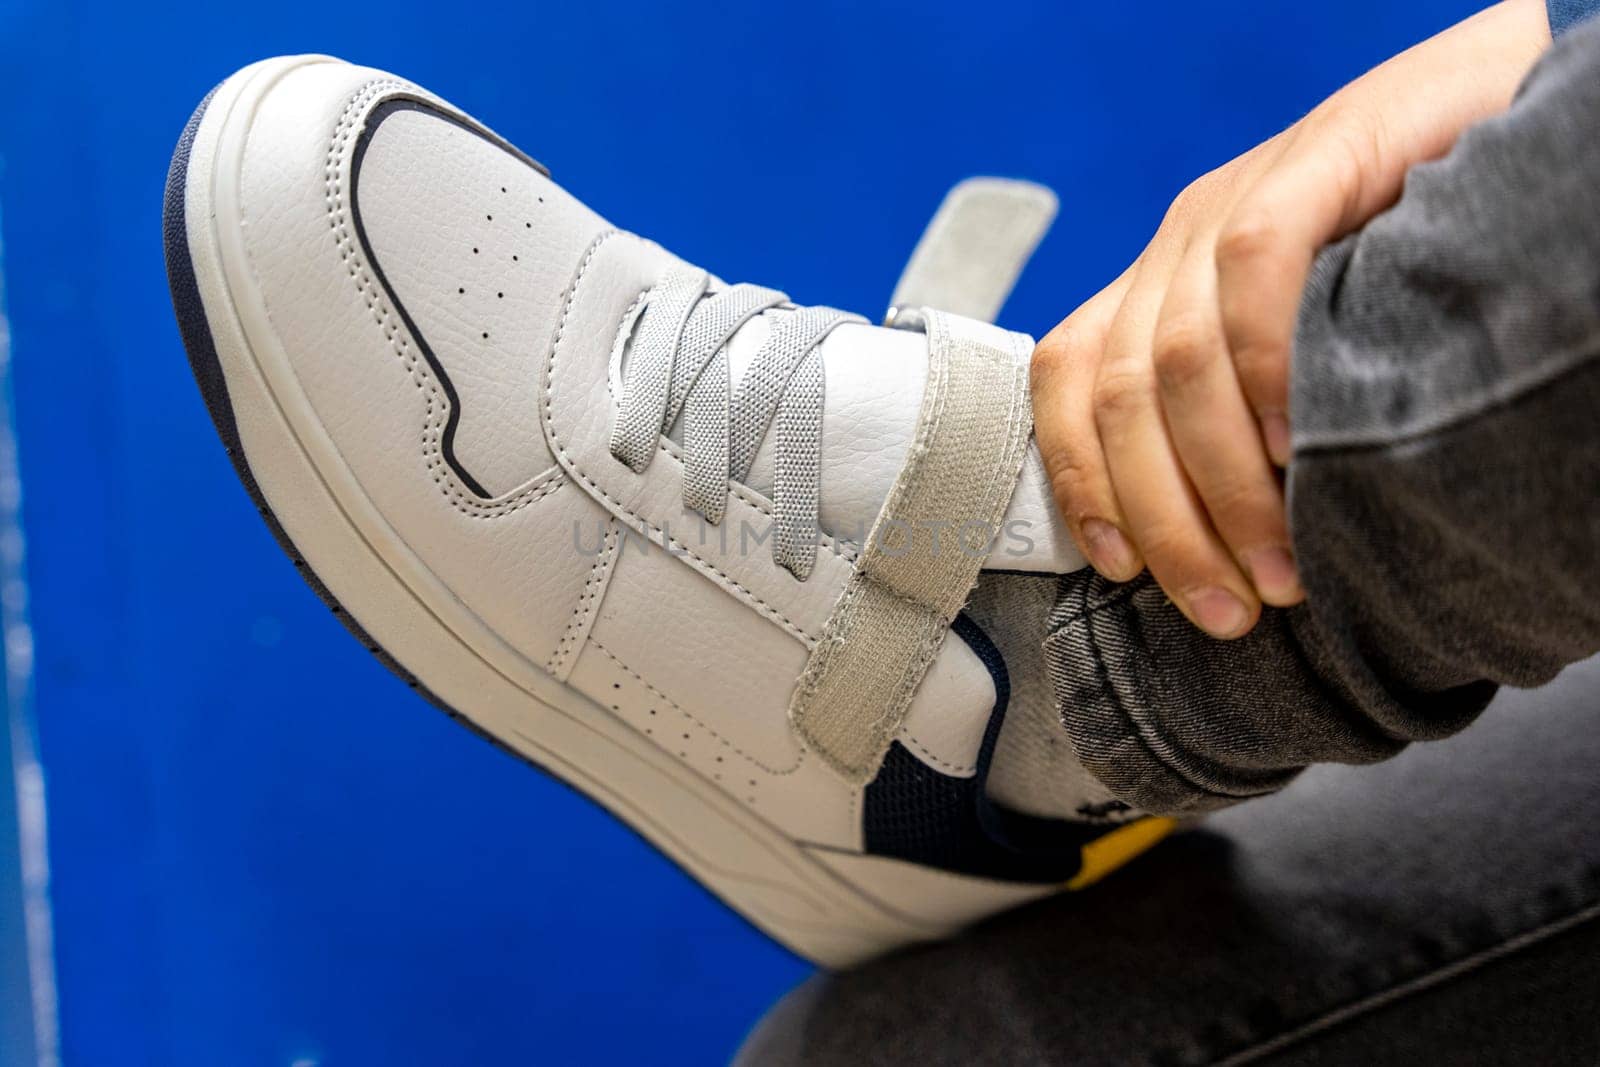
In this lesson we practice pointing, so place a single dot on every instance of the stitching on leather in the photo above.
(548, 482)
(550, 365)
(922, 750)
(625, 330)
(464, 501)
(585, 608)
(800, 758)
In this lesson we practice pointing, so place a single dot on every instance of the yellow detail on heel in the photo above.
(1105, 854)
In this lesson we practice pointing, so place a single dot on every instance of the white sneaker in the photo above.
(567, 486)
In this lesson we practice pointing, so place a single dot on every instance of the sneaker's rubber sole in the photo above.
(366, 575)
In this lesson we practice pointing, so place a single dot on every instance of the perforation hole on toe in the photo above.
(475, 247)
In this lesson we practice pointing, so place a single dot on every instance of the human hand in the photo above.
(1161, 405)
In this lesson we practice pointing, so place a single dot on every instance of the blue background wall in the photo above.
(264, 848)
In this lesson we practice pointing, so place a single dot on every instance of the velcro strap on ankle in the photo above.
(926, 548)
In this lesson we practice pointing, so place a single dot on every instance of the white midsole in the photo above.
(367, 566)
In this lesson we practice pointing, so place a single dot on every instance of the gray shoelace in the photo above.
(679, 365)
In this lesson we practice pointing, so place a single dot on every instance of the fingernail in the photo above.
(1219, 612)
(1113, 556)
(1273, 572)
(1275, 431)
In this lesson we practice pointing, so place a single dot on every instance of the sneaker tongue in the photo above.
(873, 381)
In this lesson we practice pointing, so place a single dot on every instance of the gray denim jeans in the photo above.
(1444, 492)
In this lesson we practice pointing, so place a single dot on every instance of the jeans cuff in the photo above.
(1117, 698)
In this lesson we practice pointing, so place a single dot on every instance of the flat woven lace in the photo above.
(679, 366)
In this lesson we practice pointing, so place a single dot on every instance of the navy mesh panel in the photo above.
(912, 812)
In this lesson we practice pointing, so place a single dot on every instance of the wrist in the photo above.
(1412, 108)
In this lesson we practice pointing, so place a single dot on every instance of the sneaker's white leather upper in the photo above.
(456, 319)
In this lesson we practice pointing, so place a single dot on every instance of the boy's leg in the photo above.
(1444, 493)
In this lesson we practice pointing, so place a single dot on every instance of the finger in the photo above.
(1214, 431)
(1264, 253)
(1165, 518)
(1064, 366)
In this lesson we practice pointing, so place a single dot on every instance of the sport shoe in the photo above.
(692, 548)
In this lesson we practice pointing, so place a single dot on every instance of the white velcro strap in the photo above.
(975, 247)
(926, 547)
